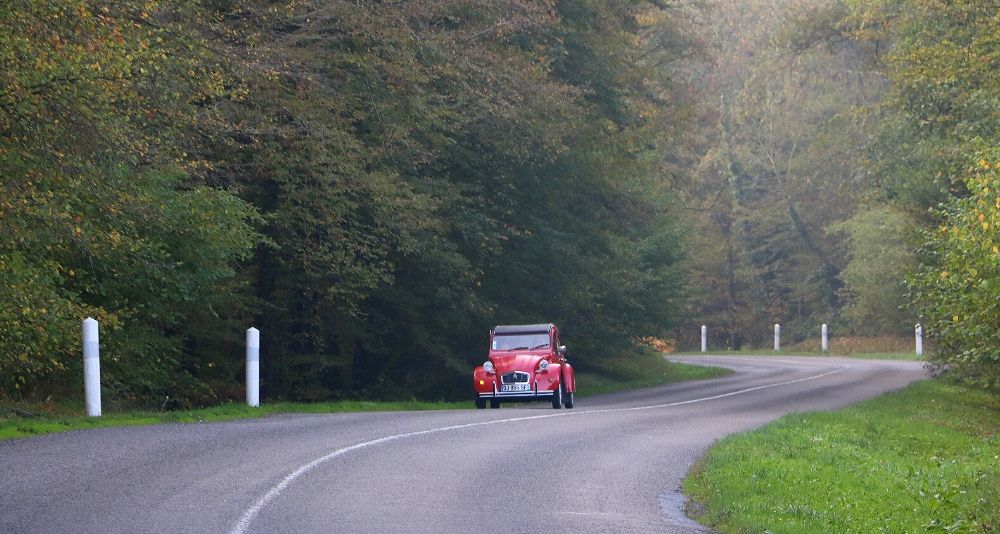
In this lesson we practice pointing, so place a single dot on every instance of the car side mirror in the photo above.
(562, 350)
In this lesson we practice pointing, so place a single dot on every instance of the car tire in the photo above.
(568, 400)
(557, 398)
(480, 403)
(494, 403)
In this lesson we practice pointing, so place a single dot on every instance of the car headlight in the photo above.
(543, 365)
(488, 367)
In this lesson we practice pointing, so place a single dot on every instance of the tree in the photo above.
(784, 130)
(101, 213)
(944, 97)
(418, 172)
(942, 110)
(429, 169)
(958, 284)
(880, 249)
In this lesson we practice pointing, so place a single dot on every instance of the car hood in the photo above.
(515, 361)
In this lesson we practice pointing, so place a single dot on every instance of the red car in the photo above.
(525, 363)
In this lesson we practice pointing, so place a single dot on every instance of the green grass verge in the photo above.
(635, 371)
(923, 459)
(764, 352)
(630, 371)
(886, 356)
(19, 423)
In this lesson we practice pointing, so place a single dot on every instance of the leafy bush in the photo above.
(958, 285)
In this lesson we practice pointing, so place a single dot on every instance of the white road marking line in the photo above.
(251, 513)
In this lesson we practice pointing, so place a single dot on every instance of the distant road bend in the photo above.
(613, 464)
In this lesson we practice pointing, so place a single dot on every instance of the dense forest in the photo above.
(846, 153)
(375, 184)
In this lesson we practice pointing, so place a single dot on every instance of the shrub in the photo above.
(957, 287)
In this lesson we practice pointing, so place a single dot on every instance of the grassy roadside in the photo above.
(623, 372)
(635, 371)
(790, 352)
(21, 422)
(886, 356)
(926, 458)
(869, 348)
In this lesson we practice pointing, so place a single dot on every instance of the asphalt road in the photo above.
(612, 464)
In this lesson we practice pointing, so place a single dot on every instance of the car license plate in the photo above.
(515, 387)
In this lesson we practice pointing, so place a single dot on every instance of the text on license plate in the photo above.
(515, 387)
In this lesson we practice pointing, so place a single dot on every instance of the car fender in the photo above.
(568, 378)
(488, 380)
(552, 376)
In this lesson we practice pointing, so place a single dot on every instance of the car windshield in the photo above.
(520, 341)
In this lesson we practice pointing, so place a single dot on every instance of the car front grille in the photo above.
(513, 378)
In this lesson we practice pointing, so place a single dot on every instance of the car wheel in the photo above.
(494, 403)
(568, 400)
(480, 403)
(557, 398)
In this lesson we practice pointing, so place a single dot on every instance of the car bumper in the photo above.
(533, 394)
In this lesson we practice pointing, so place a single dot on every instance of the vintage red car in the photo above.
(525, 363)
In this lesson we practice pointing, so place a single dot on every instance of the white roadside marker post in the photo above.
(919, 335)
(704, 338)
(253, 367)
(92, 367)
(826, 339)
(777, 337)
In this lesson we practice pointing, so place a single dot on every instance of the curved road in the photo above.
(612, 464)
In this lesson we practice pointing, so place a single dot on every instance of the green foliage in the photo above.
(958, 285)
(41, 324)
(945, 92)
(428, 170)
(880, 257)
(943, 106)
(923, 459)
(850, 115)
(101, 211)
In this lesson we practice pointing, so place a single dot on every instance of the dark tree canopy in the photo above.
(373, 185)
